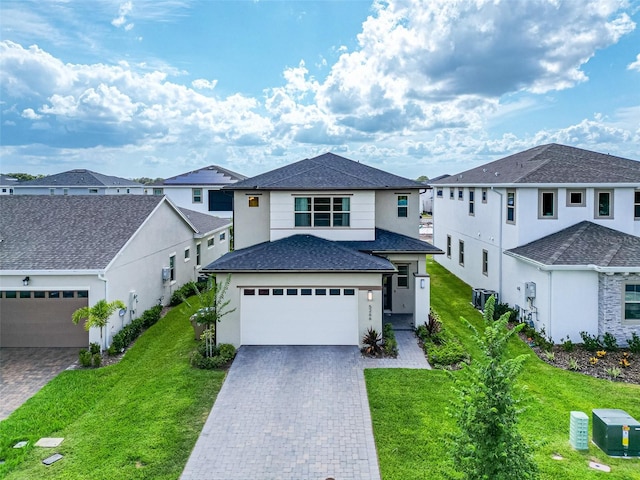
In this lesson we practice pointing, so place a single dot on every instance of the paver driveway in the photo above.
(290, 412)
(24, 371)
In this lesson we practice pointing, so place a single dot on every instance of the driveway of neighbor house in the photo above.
(293, 412)
(24, 371)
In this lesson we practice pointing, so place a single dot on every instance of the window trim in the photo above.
(403, 209)
(582, 192)
(472, 202)
(439, 192)
(93, 191)
(596, 203)
(403, 276)
(333, 213)
(636, 204)
(625, 321)
(172, 268)
(211, 241)
(448, 246)
(196, 195)
(512, 207)
(451, 193)
(541, 195)
(461, 252)
(460, 193)
(158, 191)
(222, 236)
(198, 254)
(485, 262)
(187, 254)
(484, 195)
(253, 201)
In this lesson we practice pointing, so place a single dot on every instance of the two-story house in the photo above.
(554, 230)
(324, 247)
(78, 182)
(7, 184)
(200, 190)
(60, 253)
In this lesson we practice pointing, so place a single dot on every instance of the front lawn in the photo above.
(138, 419)
(409, 407)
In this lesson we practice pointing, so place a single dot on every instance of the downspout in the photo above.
(106, 327)
(550, 282)
(500, 246)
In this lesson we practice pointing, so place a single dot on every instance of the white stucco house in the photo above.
(78, 182)
(200, 190)
(554, 230)
(7, 184)
(60, 253)
(324, 247)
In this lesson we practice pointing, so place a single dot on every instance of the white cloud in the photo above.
(635, 65)
(121, 19)
(203, 84)
(29, 114)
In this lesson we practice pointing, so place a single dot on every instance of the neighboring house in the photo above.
(426, 195)
(554, 230)
(7, 184)
(60, 253)
(200, 190)
(323, 247)
(78, 182)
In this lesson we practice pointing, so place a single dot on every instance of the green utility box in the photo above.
(616, 432)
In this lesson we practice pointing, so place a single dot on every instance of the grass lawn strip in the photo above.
(409, 407)
(138, 419)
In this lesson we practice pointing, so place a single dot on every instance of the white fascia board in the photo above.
(539, 185)
(590, 267)
(52, 272)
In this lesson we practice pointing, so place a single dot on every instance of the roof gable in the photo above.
(325, 172)
(388, 242)
(75, 232)
(552, 163)
(210, 175)
(80, 178)
(203, 222)
(585, 243)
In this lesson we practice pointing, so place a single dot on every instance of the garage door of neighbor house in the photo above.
(299, 316)
(41, 319)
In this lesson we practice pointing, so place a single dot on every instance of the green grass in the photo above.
(138, 419)
(409, 407)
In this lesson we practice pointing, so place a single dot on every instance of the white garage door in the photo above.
(299, 316)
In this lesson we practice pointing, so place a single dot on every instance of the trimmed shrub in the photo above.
(84, 357)
(390, 344)
(224, 354)
(634, 342)
(94, 348)
(129, 333)
(186, 290)
(451, 352)
(591, 343)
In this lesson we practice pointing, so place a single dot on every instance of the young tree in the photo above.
(488, 445)
(211, 307)
(98, 315)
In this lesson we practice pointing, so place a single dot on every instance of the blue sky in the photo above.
(160, 87)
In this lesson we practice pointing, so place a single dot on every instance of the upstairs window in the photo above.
(196, 194)
(511, 206)
(604, 204)
(485, 262)
(460, 193)
(439, 192)
(322, 211)
(52, 191)
(451, 196)
(403, 209)
(254, 201)
(461, 253)
(198, 256)
(484, 195)
(172, 268)
(187, 254)
(158, 191)
(636, 205)
(449, 246)
(93, 190)
(472, 201)
(210, 242)
(576, 197)
(65, 191)
(547, 204)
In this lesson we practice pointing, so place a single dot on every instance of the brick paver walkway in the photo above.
(410, 355)
(24, 371)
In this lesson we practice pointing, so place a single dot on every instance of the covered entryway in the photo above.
(41, 319)
(299, 316)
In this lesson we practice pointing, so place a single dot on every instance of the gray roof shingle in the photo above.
(203, 222)
(210, 175)
(325, 172)
(80, 178)
(75, 232)
(585, 243)
(299, 253)
(550, 163)
(388, 242)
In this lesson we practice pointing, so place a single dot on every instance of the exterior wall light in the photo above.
(422, 283)
(370, 295)
(25, 281)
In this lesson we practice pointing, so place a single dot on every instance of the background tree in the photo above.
(211, 307)
(422, 178)
(24, 176)
(488, 445)
(97, 315)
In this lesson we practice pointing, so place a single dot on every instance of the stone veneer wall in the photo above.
(610, 306)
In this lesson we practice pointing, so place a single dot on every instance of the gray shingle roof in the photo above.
(6, 180)
(203, 222)
(585, 243)
(43, 232)
(551, 163)
(325, 172)
(211, 175)
(80, 178)
(388, 242)
(299, 253)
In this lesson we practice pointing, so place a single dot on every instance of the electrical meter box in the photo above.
(616, 432)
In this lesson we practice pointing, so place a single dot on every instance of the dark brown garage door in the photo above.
(41, 319)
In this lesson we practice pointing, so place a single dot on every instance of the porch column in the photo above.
(422, 298)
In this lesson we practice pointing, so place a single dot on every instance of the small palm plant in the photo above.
(97, 315)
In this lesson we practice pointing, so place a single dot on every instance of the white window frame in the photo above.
(472, 201)
(511, 191)
(636, 205)
(485, 262)
(451, 193)
(460, 193)
(596, 203)
(542, 194)
(403, 206)
(196, 195)
(625, 320)
(222, 237)
(461, 252)
(484, 195)
(254, 201)
(403, 276)
(187, 254)
(93, 191)
(198, 254)
(158, 191)
(211, 241)
(583, 195)
(448, 246)
(439, 192)
(172, 268)
(313, 211)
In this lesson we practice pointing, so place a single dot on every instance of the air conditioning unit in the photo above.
(166, 274)
(616, 432)
(484, 296)
(475, 297)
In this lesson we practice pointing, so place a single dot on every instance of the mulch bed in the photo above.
(602, 368)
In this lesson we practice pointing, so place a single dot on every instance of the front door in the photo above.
(387, 289)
